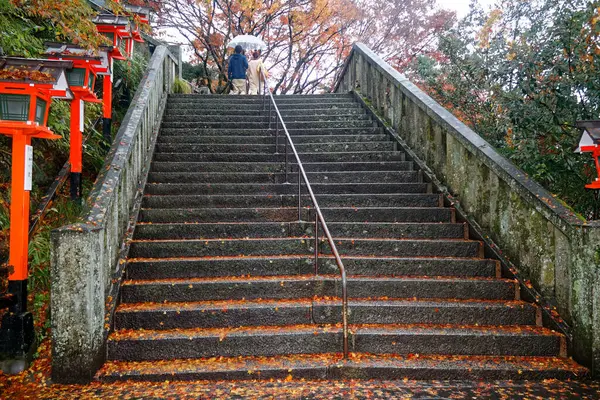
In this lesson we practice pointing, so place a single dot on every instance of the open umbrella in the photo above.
(248, 42)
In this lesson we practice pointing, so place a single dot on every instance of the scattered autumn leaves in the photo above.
(35, 383)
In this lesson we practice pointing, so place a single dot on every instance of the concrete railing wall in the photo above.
(85, 255)
(551, 246)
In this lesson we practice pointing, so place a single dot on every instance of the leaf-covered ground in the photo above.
(35, 383)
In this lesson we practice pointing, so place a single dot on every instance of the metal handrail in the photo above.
(319, 215)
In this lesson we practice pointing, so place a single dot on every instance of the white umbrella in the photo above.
(248, 42)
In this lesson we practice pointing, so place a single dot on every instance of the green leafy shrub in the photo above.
(181, 86)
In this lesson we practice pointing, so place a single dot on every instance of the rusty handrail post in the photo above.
(316, 244)
(319, 217)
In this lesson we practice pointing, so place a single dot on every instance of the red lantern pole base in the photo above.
(76, 148)
(17, 333)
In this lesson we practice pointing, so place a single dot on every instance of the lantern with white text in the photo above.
(26, 89)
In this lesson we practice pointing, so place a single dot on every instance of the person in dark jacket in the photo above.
(236, 72)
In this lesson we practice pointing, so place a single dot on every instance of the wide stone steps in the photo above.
(275, 246)
(359, 366)
(130, 345)
(334, 147)
(342, 156)
(270, 139)
(288, 214)
(207, 230)
(303, 286)
(204, 267)
(350, 123)
(289, 200)
(276, 189)
(350, 131)
(282, 101)
(260, 177)
(165, 166)
(350, 109)
(263, 118)
(223, 314)
(221, 281)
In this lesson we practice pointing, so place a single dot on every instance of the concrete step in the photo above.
(138, 345)
(268, 139)
(222, 314)
(258, 200)
(258, 108)
(264, 131)
(288, 214)
(265, 177)
(360, 156)
(169, 268)
(205, 230)
(459, 340)
(349, 123)
(276, 189)
(359, 366)
(165, 166)
(290, 245)
(261, 116)
(386, 214)
(351, 147)
(359, 177)
(279, 100)
(291, 97)
(308, 286)
(350, 109)
(189, 215)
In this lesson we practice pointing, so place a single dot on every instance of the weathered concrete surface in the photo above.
(84, 255)
(552, 247)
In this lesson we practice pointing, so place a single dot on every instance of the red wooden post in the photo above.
(25, 94)
(19, 209)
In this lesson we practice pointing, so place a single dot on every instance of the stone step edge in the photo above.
(332, 366)
(299, 257)
(225, 305)
(335, 329)
(308, 278)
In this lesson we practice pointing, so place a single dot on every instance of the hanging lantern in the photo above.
(589, 143)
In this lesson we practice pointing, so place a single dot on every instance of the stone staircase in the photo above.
(220, 276)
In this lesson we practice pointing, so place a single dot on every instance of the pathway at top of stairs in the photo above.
(220, 276)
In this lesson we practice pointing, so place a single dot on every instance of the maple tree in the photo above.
(521, 75)
(399, 30)
(307, 40)
(26, 24)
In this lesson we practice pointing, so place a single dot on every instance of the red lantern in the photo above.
(116, 28)
(26, 89)
(81, 79)
(589, 143)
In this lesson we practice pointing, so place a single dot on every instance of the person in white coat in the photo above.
(255, 66)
